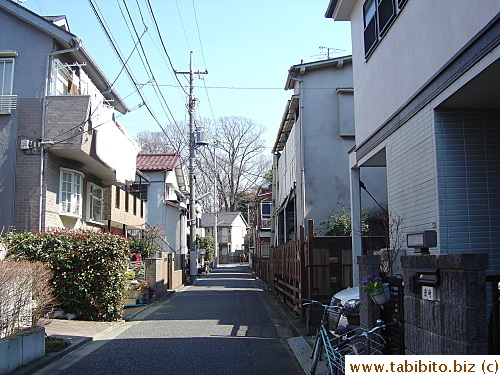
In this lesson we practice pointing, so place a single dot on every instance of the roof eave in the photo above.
(340, 10)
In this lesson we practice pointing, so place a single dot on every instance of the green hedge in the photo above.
(89, 268)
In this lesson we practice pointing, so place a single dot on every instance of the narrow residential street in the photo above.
(225, 324)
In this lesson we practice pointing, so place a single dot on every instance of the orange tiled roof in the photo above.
(157, 162)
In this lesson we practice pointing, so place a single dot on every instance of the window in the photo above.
(117, 196)
(378, 15)
(7, 100)
(96, 202)
(266, 210)
(70, 193)
(140, 191)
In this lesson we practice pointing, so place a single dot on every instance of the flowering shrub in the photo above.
(373, 284)
(89, 268)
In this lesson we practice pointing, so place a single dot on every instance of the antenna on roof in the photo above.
(329, 51)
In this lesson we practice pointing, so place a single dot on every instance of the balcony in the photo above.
(7, 104)
(90, 138)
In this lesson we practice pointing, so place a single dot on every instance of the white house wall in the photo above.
(287, 168)
(402, 63)
(325, 150)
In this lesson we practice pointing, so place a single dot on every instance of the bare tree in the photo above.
(241, 160)
(174, 139)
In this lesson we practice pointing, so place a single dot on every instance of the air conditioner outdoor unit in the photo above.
(25, 144)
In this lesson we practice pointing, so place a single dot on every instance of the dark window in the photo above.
(378, 16)
(370, 19)
(266, 209)
(386, 13)
(127, 198)
(117, 197)
(140, 191)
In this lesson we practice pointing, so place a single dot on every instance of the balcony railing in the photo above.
(7, 103)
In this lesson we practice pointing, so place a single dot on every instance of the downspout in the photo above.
(76, 47)
(302, 158)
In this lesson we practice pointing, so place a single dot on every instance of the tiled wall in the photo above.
(468, 164)
(411, 174)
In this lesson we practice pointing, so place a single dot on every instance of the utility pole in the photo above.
(193, 269)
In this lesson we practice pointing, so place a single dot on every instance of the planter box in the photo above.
(130, 301)
(19, 350)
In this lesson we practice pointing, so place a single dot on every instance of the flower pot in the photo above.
(353, 319)
(381, 296)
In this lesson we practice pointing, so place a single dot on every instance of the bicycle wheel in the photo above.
(318, 348)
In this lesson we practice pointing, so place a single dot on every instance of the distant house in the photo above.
(60, 146)
(164, 188)
(427, 109)
(311, 168)
(231, 232)
(262, 223)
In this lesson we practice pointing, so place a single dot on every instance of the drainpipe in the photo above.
(302, 158)
(77, 45)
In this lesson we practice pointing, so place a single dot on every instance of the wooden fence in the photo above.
(315, 268)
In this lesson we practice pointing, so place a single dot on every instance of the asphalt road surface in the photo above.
(225, 324)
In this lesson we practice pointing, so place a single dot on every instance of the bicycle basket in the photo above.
(334, 314)
(373, 344)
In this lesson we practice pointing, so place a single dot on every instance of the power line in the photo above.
(131, 76)
(259, 88)
(146, 64)
(182, 23)
(150, 8)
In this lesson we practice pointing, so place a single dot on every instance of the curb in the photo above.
(287, 314)
(42, 362)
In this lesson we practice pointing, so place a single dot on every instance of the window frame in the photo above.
(267, 215)
(90, 203)
(67, 206)
(373, 29)
(4, 90)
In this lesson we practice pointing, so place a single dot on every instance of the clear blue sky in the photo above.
(246, 46)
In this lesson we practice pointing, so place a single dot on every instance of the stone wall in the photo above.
(456, 323)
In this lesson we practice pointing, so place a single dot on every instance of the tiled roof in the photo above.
(157, 162)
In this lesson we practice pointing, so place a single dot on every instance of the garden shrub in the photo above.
(25, 295)
(89, 268)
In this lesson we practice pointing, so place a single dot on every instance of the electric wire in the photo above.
(147, 66)
(130, 74)
(182, 24)
(150, 8)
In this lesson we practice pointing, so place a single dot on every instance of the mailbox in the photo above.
(427, 281)
(422, 241)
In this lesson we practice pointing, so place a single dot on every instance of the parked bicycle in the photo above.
(337, 342)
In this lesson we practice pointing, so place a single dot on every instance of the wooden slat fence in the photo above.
(285, 270)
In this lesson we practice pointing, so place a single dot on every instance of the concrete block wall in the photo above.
(19, 350)
(369, 311)
(456, 323)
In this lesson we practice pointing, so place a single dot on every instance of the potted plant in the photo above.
(351, 312)
(377, 289)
